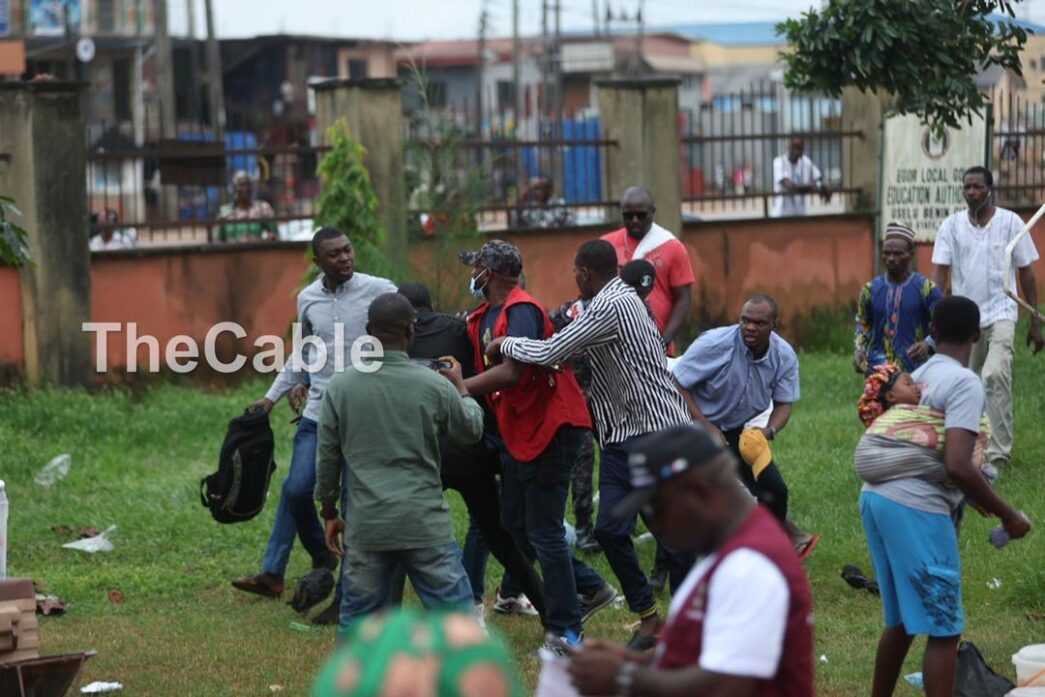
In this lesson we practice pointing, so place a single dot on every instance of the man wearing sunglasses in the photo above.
(641, 238)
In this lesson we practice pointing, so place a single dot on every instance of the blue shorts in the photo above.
(915, 557)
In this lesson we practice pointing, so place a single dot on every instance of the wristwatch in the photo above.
(626, 679)
(328, 511)
(772, 432)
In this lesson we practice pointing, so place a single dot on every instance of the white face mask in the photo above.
(475, 290)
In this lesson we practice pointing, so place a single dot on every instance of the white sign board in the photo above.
(922, 173)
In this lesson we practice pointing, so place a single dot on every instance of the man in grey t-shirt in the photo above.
(910, 534)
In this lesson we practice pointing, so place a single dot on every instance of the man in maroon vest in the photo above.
(542, 418)
(740, 624)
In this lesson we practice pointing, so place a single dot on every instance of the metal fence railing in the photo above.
(730, 144)
(547, 173)
(1017, 149)
(180, 190)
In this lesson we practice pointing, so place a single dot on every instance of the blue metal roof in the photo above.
(1029, 26)
(729, 33)
(764, 33)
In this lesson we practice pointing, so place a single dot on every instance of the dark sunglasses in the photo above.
(634, 215)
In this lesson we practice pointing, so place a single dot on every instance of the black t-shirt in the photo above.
(437, 335)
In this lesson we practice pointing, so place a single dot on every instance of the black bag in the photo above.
(237, 491)
(975, 678)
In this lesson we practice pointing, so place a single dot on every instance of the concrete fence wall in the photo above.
(805, 263)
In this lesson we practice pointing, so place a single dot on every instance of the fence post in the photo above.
(42, 127)
(863, 111)
(373, 110)
(642, 115)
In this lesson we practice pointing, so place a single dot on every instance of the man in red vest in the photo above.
(542, 418)
(741, 623)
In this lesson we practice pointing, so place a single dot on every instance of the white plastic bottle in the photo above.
(3, 530)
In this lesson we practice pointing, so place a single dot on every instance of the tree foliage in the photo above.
(926, 53)
(450, 190)
(13, 248)
(347, 202)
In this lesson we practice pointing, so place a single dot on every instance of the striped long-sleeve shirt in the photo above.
(632, 391)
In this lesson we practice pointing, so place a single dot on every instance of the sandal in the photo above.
(807, 547)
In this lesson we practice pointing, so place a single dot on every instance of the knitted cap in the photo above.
(880, 381)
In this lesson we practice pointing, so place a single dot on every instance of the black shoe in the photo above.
(331, 615)
(312, 589)
(641, 643)
(586, 541)
(590, 604)
(856, 579)
(658, 579)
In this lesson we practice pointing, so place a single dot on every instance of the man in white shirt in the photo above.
(740, 623)
(795, 175)
(973, 243)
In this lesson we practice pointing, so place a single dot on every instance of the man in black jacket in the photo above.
(472, 470)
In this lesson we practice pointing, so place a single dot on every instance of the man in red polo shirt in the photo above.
(741, 623)
(641, 238)
(542, 419)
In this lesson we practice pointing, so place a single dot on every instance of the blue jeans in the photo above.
(614, 534)
(533, 503)
(296, 513)
(436, 573)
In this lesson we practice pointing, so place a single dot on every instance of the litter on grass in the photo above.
(54, 470)
(98, 543)
(97, 688)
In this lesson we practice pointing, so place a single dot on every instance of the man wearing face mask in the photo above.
(542, 417)
(973, 243)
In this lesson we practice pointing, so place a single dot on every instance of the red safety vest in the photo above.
(530, 412)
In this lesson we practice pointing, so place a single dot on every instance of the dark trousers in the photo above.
(581, 483)
(769, 489)
(482, 499)
(614, 534)
(533, 502)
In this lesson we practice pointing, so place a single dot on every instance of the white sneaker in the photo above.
(514, 606)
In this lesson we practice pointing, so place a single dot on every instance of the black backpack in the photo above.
(237, 491)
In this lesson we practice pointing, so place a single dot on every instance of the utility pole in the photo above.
(215, 91)
(557, 57)
(481, 72)
(595, 17)
(546, 62)
(517, 88)
(639, 33)
(194, 62)
(164, 71)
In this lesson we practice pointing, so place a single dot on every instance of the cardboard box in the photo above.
(19, 628)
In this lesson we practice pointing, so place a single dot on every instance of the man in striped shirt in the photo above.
(632, 394)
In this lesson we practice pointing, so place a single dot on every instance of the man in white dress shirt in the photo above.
(972, 243)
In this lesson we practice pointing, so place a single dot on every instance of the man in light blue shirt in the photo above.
(730, 375)
(333, 311)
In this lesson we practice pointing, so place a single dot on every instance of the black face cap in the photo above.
(497, 255)
(661, 456)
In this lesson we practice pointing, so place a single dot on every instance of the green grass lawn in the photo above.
(137, 459)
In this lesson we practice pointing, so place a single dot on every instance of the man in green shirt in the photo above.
(385, 419)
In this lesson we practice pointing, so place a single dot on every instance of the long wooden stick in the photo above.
(1009, 249)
